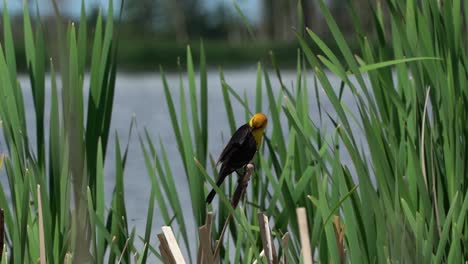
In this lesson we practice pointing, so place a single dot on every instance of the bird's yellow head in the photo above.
(258, 123)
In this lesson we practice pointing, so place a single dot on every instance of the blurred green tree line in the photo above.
(156, 32)
(181, 20)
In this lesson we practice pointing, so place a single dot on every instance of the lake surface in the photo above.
(142, 96)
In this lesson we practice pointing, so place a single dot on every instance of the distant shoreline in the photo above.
(148, 55)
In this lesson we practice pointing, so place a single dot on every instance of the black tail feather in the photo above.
(223, 173)
(210, 196)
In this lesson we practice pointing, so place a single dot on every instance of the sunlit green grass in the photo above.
(403, 198)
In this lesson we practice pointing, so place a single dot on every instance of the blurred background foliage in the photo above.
(156, 32)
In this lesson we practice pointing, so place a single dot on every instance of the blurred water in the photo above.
(142, 96)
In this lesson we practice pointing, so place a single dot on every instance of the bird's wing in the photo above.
(236, 142)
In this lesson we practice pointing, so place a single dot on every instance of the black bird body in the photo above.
(239, 151)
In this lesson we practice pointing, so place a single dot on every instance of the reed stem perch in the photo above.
(243, 182)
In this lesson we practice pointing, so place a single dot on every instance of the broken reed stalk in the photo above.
(269, 250)
(205, 253)
(304, 235)
(339, 234)
(2, 233)
(42, 254)
(168, 247)
(243, 182)
(285, 245)
(265, 233)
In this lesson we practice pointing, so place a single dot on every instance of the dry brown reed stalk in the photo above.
(285, 246)
(68, 258)
(205, 253)
(170, 251)
(339, 234)
(269, 251)
(2, 232)
(42, 254)
(243, 182)
(265, 233)
(304, 233)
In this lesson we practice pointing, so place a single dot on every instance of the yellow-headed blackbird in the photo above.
(240, 149)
